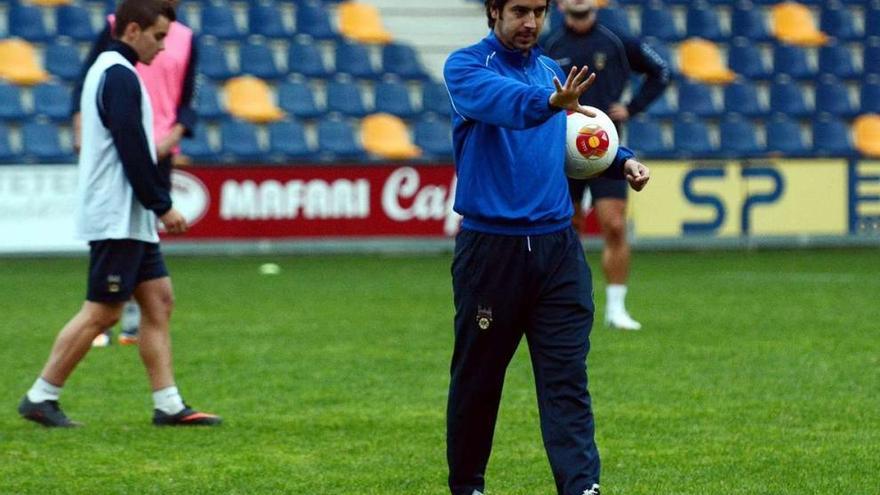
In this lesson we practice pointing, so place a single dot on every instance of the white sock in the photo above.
(42, 391)
(168, 400)
(615, 295)
(131, 317)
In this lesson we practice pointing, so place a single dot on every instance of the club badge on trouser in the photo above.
(484, 317)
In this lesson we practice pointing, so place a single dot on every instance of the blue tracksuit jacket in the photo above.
(509, 143)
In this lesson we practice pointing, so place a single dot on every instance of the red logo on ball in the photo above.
(592, 141)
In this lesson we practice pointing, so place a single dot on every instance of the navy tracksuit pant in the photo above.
(506, 287)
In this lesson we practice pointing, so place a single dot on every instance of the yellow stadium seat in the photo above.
(701, 60)
(387, 136)
(794, 23)
(250, 99)
(867, 134)
(50, 3)
(19, 64)
(363, 23)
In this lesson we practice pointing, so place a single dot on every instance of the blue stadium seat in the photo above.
(744, 57)
(219, 21)
(872, 20)
(393, 97)
(7, 153)
(703, 22)
(434, 136)
(75, 22)
(832, 97)
(869, 95)
(792, 61)
(212, 61)
(26, 21)
(62, 60)
(741, 97)
(266, 20)
(11, 107)
(52, 100)
(345, 97)
(784, 138)
(402, 60)
(665, 53)
(208, 101)
(696, 98)
(750, 22)
(257, 60)
(615, 19)
(658, 22)
(287, 142)
(198, 147)
(353, 58)
(738, 139)
(645, 137)
(336, 140)
(831, 137)
(837, 60)
(298, 99)
(312, 19)
(787, 98)
(435, 99)
(304, 57)
(662, 107)
(239, 141)
(871, 56)
(839, 22)
(691, 138)
(40, 142)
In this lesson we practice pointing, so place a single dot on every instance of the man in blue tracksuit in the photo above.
(519, 268)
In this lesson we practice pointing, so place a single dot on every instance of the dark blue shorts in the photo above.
(600, 188)
(118, 266)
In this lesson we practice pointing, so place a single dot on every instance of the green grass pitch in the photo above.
(757, 373)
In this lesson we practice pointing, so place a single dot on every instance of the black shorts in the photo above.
(118, 266)
(600, 188)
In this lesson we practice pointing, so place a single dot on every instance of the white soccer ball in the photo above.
(590, 144)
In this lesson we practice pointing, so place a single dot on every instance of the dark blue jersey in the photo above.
(614, 57)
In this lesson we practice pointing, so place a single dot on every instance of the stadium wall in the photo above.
(408, 207)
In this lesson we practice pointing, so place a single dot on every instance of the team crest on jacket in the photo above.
(484, 317)
(599, 60)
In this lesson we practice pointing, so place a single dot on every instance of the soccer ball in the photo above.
(590, 144)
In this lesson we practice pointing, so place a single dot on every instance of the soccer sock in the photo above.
(615, 295)
(42, 391)
(131, 317)
(168, 400)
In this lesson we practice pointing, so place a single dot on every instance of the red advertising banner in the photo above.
(316, 201)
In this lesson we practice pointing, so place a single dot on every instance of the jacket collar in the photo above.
(512, 55)
(125, 50)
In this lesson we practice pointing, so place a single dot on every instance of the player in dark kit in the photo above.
(583, 41)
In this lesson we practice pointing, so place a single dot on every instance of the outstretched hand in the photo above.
(567, 95)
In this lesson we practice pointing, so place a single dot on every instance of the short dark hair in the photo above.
(142, 12)
(497, 4)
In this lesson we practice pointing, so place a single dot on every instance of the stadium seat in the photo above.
(832, 97)
(784, 138)
(219, 21)
(287, 142)
(744, 57)
(872, 20)
(738, 139)
(696, 98)
(869, 95)
(362, 22)
(435, 99)
(7, 153)
(41, 143)
(345, 98)
(26, 21)
(265, 19)
(793, 23)
(615, 19)
(312, 19)
(239, 141)
(662, 107)
(836, 59)
(52, 100)
(63, 60)
(298, 99)
(212, 61)
(749, 22)
(792, 61)
(353, 58)
(19, 63)
(386, 136)
(658, 22)
(393, 98)
(198, 148)
(866, 129)
(692, 139)
(831, 137)
(662, 49)
(305, 58)
(787, 98)
(249, 98)
(701, 61)
(403, 61)
(208, 101)
(434, 137)
(336, 140)
(11, 107)
(75, 22)
(838, 22)
(741, 97)
(257, 60)
(645, 137)
(703, 22)
(49, 3)
(871, 56)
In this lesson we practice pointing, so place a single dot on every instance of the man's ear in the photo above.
(132, 30)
